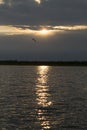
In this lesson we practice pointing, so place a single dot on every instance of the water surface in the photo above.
(43, 98)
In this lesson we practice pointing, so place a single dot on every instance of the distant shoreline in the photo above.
(49, 63)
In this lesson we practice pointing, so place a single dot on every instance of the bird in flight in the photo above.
(34, 39)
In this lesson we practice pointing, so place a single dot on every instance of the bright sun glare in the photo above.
(44, 31)
(38, 1)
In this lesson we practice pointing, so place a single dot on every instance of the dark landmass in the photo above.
(49, 63)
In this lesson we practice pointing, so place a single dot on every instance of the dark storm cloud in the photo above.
(51, 12)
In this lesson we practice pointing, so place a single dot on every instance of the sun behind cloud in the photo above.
(44, 31)
(38, 1)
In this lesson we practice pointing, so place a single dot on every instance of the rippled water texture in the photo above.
(43, 98)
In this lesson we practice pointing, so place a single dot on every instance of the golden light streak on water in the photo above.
(42, 87)
(43, 96)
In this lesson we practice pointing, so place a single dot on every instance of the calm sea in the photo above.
(43, 98)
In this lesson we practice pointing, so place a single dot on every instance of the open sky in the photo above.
(43, 30)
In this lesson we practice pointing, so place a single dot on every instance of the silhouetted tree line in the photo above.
(50, 63)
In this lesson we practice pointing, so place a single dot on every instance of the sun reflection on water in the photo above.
(43, 96)
(42, 90)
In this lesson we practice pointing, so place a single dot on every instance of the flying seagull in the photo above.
(34, 39)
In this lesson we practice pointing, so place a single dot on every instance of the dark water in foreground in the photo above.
(43, 98)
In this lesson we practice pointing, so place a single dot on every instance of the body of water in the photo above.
(43, 98)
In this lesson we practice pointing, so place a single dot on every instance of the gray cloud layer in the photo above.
(51, 12)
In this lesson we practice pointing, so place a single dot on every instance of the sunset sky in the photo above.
(43, 30)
